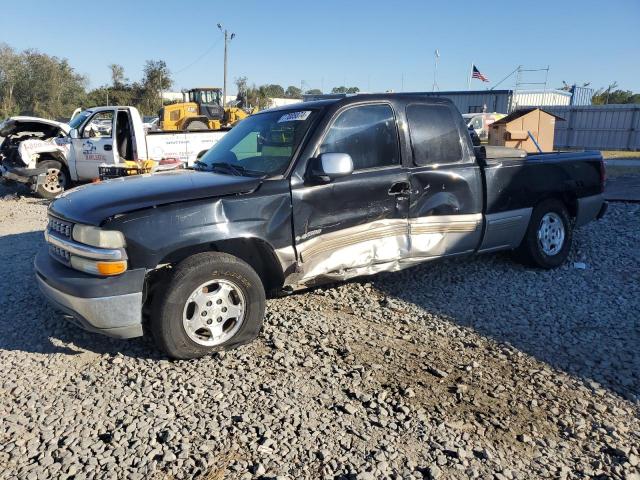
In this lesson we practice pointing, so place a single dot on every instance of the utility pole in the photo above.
(227, 38)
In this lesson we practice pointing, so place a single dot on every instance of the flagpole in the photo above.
(469, 77)
(436, 56)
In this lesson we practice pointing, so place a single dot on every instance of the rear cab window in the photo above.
(435, 138)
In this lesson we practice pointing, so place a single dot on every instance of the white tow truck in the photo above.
(50, 155)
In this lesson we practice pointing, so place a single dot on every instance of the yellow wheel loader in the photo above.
(201, 109)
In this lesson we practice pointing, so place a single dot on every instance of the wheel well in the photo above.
(53, 156)
(569, 200)
(257, 253)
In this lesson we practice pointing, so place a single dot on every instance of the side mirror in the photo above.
(329, 166)
(73, 133)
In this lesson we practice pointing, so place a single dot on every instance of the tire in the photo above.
(57, 179)
(547, 242)
(203, 298)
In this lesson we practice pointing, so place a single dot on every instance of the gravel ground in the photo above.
(473, 368)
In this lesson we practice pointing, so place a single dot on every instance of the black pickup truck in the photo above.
(296, 196)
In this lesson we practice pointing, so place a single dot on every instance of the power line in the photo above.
(208, 50)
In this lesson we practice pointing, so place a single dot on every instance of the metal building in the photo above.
(599, 127)
(581, 96)
(500, 101)
(504, 101)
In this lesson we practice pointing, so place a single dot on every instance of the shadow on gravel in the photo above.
(8, 188)
(29, 324)
(557, 317)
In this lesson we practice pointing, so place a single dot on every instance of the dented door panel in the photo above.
(350, 223)
(445, 216)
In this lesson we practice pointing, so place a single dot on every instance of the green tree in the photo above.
(293, 92)
(344, 89)
(34, 83)
(48, 86)
(117, 76)
(616, 96)
(241, 84)
(272, 90)
(156, 78)
(10, 73)
(314, 91)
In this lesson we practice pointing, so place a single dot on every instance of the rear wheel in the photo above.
(213, 301)
(548, 239)
(56, 181)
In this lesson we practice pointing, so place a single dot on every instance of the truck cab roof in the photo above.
(362, 98)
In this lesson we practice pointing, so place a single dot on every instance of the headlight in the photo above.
(97, 237)
(98, 267)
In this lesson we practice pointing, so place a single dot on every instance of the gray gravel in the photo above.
(475, 368)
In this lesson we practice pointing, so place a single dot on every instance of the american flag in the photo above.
(476, 74)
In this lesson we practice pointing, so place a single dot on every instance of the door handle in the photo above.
(108, 147)
(400, 189)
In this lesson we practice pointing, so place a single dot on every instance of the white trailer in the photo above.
(51, 155)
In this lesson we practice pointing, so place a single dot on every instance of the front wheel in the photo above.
(56, 181)
(213, 301)
(547, 242)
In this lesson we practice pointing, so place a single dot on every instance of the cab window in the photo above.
(435, 138)
(99, 126)
(368, 134)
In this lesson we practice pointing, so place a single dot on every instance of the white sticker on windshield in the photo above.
(295, 116)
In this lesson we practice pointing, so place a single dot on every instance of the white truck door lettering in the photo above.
(95, 145)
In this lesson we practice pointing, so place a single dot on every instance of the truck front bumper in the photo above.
(111, 306)
(29, 176)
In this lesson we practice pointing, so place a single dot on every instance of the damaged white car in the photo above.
(50, 155)
(34, 152)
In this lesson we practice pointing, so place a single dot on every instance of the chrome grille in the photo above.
(60, 226)
(63, 229)
(60, 254)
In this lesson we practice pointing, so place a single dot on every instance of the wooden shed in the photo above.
(514, 130)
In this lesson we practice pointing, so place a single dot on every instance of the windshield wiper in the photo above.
(200, 164)
(234, 169)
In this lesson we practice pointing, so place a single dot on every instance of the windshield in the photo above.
(79, 119)
(205, 97)
(259, 145)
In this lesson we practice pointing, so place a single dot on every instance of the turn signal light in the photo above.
(111, 268)
(98, 267)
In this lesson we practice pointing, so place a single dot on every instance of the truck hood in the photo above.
(15, 125)
(93, 203)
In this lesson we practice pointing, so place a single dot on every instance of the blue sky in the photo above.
(374, 45)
